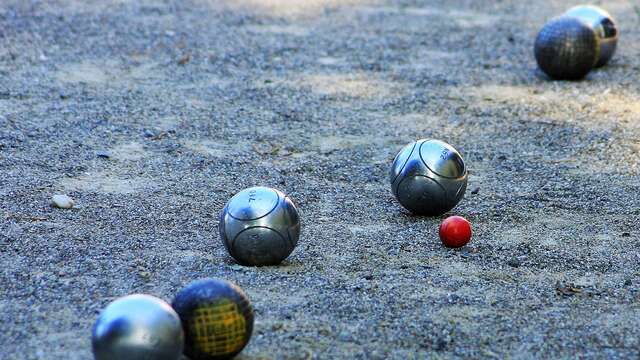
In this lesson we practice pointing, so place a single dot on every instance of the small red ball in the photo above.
(455, 232)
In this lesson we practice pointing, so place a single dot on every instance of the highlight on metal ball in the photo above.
(604, 26)
(566, 48)
(259, 226)
(428, 177)
(138, 327)
(217, 318)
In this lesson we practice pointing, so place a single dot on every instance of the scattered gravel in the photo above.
(197, 100)
(514, 263)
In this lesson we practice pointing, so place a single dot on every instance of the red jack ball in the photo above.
(455, 232)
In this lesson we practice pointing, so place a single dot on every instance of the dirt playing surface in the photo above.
(188, 102)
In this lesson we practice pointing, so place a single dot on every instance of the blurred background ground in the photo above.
(188, 102)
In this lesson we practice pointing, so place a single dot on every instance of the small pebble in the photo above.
(513, 262)
(62, 201)
(185, 59)
(441, 344)
(149, 134)
(344, 336)
(237, 267)
(453, 298)
(626, 234)
(475, 191)
(103, 154)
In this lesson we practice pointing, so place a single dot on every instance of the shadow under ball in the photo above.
(603, 25)
(217, 318)
(428, 177)
(566, 48)
(137, 327)
(259, 226)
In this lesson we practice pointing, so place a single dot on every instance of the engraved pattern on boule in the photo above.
(428, 177)
(259, 226)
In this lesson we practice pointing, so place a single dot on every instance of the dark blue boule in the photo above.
(566, 48)
(217, 319)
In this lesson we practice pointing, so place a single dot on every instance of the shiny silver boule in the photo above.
(428, 177)
(259, 226)
(566, 48)
(603, 25)
(138, 327)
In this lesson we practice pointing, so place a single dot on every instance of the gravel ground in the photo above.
(150, 115)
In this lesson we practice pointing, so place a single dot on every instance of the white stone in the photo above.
(62, 201)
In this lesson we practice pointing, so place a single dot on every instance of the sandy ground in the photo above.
(196, 100)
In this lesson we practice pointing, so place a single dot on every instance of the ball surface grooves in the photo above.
(217, 319)
(259, 226)
(566, 48)
(428, 177)
(137, 327)
(604, 26)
